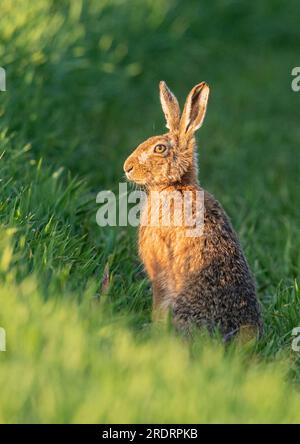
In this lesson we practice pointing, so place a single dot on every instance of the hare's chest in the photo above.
(167, 257)
(154, 250)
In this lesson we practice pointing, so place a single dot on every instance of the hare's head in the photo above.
(171, 158)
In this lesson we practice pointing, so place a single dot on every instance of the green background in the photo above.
(82, 93)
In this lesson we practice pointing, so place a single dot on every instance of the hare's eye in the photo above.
(160, 148)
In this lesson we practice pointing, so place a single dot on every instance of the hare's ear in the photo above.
(194, 109)
(170, 107)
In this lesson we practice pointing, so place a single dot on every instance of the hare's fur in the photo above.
(204, 280)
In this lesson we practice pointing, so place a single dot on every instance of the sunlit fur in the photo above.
(205, 281)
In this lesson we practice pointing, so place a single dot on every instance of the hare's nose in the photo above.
(128, 166)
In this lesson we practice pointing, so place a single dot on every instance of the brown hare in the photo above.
(203, 280)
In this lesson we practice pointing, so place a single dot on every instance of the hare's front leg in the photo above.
(159, 303)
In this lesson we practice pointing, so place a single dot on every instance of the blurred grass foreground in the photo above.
(81, 93)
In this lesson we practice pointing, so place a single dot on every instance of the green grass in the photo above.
(82, 92)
